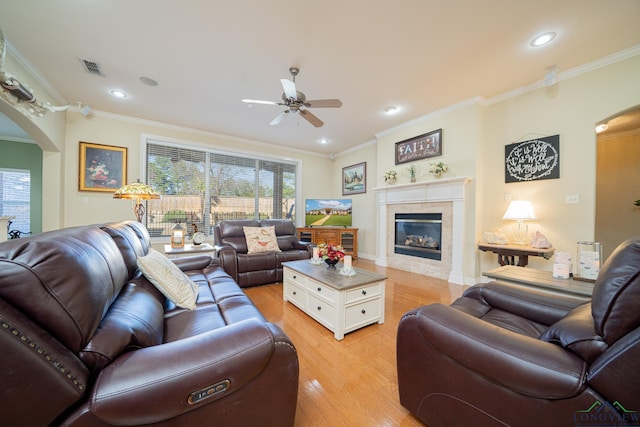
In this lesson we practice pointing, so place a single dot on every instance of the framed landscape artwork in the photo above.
(419, 147)
(103, 168)
(354, 179)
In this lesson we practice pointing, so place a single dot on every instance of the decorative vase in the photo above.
(437, 174)
(413, 179)
(331, 263)
(391, 181)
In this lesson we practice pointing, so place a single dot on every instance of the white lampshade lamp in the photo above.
(520, 210)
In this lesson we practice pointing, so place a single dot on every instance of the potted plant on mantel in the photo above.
(437, 169)
(390, 177)
(412, 173)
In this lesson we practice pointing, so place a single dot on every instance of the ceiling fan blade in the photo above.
(279, 118)
(258, 101)
(289, 88)
(311, 118)
(323, 103)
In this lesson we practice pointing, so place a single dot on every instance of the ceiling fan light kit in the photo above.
(296, 102)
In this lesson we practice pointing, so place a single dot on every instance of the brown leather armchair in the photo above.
(506, 355)
(257, 268)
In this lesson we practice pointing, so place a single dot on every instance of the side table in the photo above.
(539, 279)
(507, 253)
(189, 249)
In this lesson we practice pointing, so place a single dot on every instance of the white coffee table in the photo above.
(340, 303)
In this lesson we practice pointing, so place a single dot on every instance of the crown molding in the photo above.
(569, 74)
(162, 125)
(432, 115)
(33, 72)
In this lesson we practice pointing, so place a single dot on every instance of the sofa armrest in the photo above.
(531, 304)
(517, 362)
(158, 383)
(228, 260)
(299, 245)
(195, 262)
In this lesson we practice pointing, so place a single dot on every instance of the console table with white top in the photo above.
(543, 280)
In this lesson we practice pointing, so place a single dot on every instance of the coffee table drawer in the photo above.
(354, 295)
(322, 291)
(361, 314)
(321, 310)
(294, 277)
(294, 293)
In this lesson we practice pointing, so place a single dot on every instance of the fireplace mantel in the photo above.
(444, 190)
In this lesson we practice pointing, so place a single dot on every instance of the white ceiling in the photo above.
(207, 55)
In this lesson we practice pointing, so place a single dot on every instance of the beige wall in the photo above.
(461, 137)
(48, 133)
(88, 207)
(474, 136)
(570, 109)
(364, 211)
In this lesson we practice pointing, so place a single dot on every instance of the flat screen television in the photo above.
(327, 213)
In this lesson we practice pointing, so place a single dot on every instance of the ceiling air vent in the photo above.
(91, 67)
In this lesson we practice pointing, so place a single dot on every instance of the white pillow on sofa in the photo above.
(261, 239)
(169, 279)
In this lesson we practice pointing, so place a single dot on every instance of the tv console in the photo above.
(344, 236)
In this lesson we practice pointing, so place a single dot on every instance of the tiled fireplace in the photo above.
(431, 240)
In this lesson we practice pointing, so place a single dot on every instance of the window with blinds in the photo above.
(15, 199)
(200, 188)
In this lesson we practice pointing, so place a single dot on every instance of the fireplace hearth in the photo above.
(419, 235)
(444, 196)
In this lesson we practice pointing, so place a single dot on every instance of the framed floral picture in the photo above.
(354, 179)
(103, 168)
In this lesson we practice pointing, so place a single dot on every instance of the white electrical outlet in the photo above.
(572, 199)
(507, 197)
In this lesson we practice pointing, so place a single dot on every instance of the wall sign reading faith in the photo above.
(532, 160)
(419, 147)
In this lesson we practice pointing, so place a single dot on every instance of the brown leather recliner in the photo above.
(257, 268)
(86, 340)
(507, 355)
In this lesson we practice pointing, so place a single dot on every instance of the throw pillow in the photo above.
(169, 279)
(261, 239)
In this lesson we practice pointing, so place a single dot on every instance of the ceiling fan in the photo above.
(294, 101)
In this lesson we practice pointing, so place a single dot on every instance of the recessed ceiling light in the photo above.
(324, 141)
(118, 93)
(543, 39)
(392, 109)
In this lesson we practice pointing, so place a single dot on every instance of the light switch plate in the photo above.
(572, 199)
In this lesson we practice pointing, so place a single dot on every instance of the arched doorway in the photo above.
(618, 179)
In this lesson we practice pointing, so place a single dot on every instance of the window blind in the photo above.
(15, 198)
(201, 187)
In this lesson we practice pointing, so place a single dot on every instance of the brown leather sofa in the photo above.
(257, 268)
(505, 355)
(86, 340)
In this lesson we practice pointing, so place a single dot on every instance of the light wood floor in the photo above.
(352, 382)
